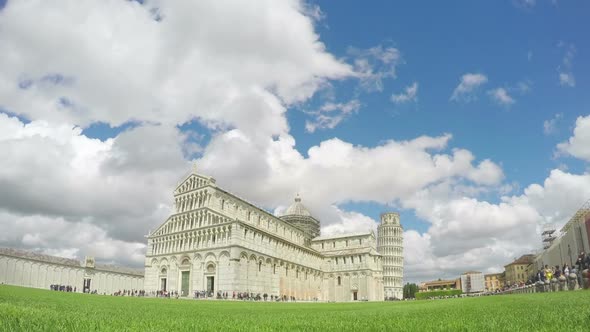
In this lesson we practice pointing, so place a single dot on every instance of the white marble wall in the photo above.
(36, 274)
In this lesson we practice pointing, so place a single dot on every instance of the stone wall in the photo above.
(40, 271)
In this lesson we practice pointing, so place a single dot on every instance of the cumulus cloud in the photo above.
(331, 114)
(469, 233)
(501, 96)
(410, 94)
(577, 145)
(119, 184)
(64, 193)
(57, 236)
(350, 222)
(397, 168)
(185, 65)
(466, 89)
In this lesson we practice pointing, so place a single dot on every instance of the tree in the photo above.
(410, 291)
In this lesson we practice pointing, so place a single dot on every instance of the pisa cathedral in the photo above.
(217, 242)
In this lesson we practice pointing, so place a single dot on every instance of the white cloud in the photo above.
(121, 184)
(524, 87)
(579, 144)
(410, 94)
(567, 78)
(467, 233)
(550, 126)
(468, 85)
(375, 64)
(188, 65)
(558, 198)
(398, 169)
(62, 191)
(331, 114)
(565, 69)
(350, 222)
(524, 4)
(501, 96)
(56, 236)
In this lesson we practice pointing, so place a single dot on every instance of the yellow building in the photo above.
(518, 272)
(440, 285)
(494, 281)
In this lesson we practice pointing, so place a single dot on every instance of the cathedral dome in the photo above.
(297, 209)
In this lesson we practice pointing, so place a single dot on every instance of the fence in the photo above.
(572, 282)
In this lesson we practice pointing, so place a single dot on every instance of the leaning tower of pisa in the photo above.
(390, 244)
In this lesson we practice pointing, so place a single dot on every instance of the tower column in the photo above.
(390, 246)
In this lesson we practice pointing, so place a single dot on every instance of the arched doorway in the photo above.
(210, 278)
(163, 279)
(355, 290)
(185, 277)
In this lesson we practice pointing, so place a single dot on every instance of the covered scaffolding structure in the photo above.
(564, 247)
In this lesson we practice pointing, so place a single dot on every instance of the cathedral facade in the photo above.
(216, 242)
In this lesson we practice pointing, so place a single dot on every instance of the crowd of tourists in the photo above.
(220, 295)
(554, 272)
(243, 296)
(132, 292)
(163, 293)
(62, 288)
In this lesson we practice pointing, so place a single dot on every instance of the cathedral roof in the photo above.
(342, 236)
(297, 209)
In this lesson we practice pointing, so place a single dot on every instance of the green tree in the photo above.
(410, 291)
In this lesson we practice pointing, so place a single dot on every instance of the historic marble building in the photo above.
(218, 242)
(391, 245)
(30, 269)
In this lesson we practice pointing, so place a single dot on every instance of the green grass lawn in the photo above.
(23, 309)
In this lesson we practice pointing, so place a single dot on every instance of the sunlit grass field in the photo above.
(23, 309)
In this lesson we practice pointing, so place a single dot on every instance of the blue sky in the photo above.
(469, 118)
(493, 38)
(508, 43)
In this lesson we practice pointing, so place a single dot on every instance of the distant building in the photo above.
(520, 270)
(494, 281)
(30, 269)
(472, 282)
(437, 285)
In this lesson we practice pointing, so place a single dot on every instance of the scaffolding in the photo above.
(548, 236)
